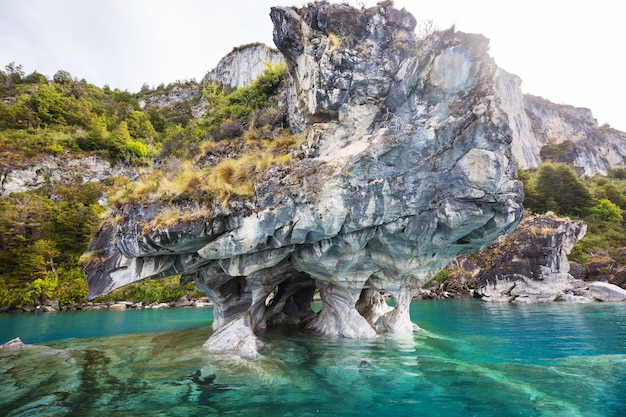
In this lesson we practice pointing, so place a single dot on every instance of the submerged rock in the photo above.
(407, 165)
(13, 344)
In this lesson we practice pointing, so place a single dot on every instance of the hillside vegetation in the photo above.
(179, 158)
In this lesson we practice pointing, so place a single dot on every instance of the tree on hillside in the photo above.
(139, 126)
(120, 136)
(50, 105)
(62, 77)
(560, 190)
(19, 115)
(605, 189)
(13, 74)
(35, 78)
(606, 211)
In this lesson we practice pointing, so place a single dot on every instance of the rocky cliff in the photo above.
(178, 98)
(237, 69)
(33, 174)
(240, 67)
(547, 131)
(407, 164)
(530, 265)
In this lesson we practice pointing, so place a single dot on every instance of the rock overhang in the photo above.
(410, 167)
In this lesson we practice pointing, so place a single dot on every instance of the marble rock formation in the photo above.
(34, 174)
(571, 131)
(530, 265)
(407, 164)
(604, 291)
(242, 65)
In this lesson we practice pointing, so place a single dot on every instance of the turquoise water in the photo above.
(471, 359)
(47, 327)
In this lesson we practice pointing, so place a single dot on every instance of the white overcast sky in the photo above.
(569, 52)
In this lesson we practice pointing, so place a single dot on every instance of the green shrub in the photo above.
(442, 276)
(41, 241)
(136, 148)
(242, 102)
(50, 105)
(552, 152)
(55, 148)
(162, 290)
(606, 211)
(559, 189)
(578, 254)
(139, 126)
(618, 173)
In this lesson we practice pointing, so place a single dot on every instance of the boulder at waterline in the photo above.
(13, 344)
(530, 265)
(603, 291)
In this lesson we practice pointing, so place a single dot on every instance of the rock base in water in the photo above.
(603, 291)
(406, 164)
(530, 265)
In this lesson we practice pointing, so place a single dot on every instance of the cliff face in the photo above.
(526, 149)
(407, 164)
(237, 69)
(530, 265)
(179, 95)
(536, 122)
(593, 149)
(34, 174)
(240, 67)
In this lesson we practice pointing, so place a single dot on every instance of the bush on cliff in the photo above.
(556, 187)
(217, 159)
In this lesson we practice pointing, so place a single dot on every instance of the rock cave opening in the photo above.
(290, 302)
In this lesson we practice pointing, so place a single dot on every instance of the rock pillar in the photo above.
(339, 315)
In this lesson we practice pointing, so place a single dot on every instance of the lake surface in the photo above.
(471, 359)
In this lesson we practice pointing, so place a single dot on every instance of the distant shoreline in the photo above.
(52, 307)
(184, 301)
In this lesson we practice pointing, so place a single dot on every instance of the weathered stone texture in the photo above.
(408, 165)
(33, 174)
(240, 67)
(536, 122)
(530, 265)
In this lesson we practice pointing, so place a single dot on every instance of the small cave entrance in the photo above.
(374, 303)
(291, 302)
